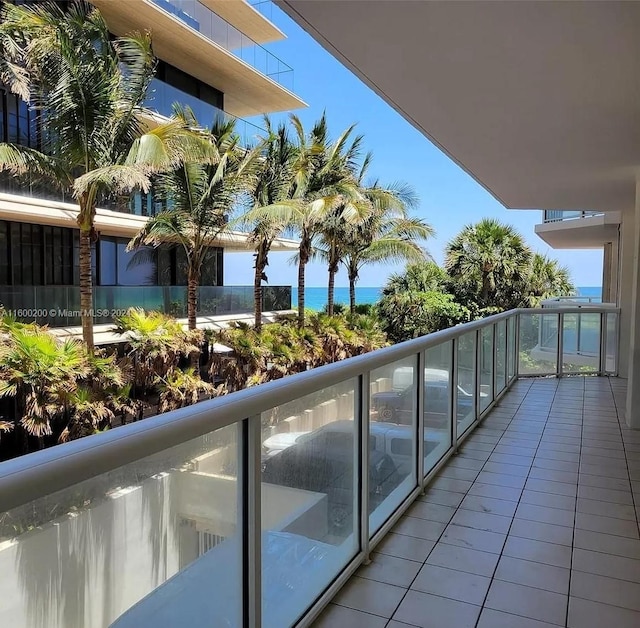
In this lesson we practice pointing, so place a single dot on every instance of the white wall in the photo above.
(84, 571)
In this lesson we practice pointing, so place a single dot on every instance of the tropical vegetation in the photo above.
(88, 89)
(488, 268)
(98, 141)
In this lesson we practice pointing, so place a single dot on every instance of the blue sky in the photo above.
(449, 198)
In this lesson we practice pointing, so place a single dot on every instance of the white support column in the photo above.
(630, 304)
(625, 289)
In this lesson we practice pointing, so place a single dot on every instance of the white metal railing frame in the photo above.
(553, 215)
(576, 301)
(34, 476)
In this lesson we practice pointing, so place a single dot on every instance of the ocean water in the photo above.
(316, 297)
(590, 291)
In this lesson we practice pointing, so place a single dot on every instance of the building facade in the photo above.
(210, 58)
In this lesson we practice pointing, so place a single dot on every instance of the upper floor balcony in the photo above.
(554, 215)
(198, 16)
(190, 36)
(578, 229)
(260, 507)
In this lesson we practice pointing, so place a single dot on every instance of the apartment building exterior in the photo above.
(211, 58)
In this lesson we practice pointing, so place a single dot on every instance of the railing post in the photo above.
(420, 407)
(560, 344)
(516, 347)
(362, 475)
(454, 395)
(478, 378)
(602, 362)
(252, 521)
(494, 363)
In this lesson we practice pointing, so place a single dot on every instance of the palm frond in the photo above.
(118, 179)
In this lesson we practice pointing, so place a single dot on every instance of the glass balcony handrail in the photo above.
(162, 96)
(201, 19)
(576, 301)
(59, 306)
(556, 215)
(262, 490)
(232, 408)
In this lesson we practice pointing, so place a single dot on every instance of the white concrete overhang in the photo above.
(113, 223)
(538, 101)
(247, 91)
(246, 19)
(590, 232)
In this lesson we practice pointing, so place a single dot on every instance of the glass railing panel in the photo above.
(466, 387)
(501, 356)
(438, 378)
(538, 344)
(581, 343)
(611, 327)
(486, 367)
(555, 215)
(309, 499)
(512, 358)
(162, 97)
(392, 438)
(213, 27)
(152, 543)
(59, 306)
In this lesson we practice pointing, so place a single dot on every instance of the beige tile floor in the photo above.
(533, 524)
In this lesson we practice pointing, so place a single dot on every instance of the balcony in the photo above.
(163, 96)
(200, 18)
(261, 507)
(578, 229)
(189, 36)
(59, 306)
(555, 215)
(531, 524)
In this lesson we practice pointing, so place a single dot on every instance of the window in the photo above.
(119, 267)
(5, 279)
(36, 255)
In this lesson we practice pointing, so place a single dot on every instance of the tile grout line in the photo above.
(626, 459)
(447, 524)
(575, 512)
(484, 601)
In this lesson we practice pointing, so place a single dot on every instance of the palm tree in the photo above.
(331, 193)
(424, 276)
(88, 91)
(200, 196)
(273, 184)
(389, 235)
(488, 256)
(341, 239)
(40, 371)
(546, 279)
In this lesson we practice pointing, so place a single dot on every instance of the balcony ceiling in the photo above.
(538, 101)
(247, 91)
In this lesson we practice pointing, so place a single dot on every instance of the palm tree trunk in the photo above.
(352, 292)
(333, 269)
(257, 291)
(301, 268)
(305, 254)
(192, 297)
(486, 287)
(86, 288)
